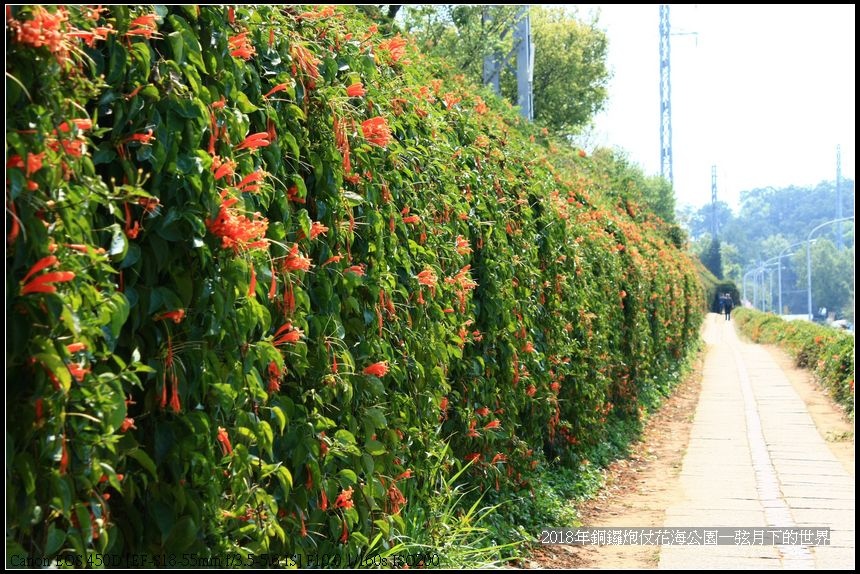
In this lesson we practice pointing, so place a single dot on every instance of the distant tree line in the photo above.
(771, 221)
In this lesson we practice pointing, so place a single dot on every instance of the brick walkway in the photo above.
(756, 459)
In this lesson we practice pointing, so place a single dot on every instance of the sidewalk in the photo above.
(756, 459)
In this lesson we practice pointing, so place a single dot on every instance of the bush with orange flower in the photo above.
(259, 260)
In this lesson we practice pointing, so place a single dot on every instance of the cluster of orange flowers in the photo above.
(376, 131)
(44, 29)
(32, 283)
(342, 143)
(355, 90)
(236, 230)
(395, 48)
(52, 31)
(145, 26)
(275, 373)
(464, 283)
(379, 369)
(31, 166)
(305, 60)
(241, 47)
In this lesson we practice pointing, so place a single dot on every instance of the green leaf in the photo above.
(141, 58)
(291, 141)
(266, 436)
(367, 464)
(244, 104)
(26, 473)
(352, 198)
(83, 518)
(345, 436)
(278, 414)
(117, 414)
(190, 45)
(145, 461)
(104, 154)
(119, 307)
(132, 256)
(376, 417)
(377, 389)
(116, 67)
(374, 447)
(182, 535)
(56, 366)
(296, 112)
(305, 222)
(150, 92)
(383, 526)
(61, 494)
(118, 243)
(286, 480)
(347, 476)
(56, 538)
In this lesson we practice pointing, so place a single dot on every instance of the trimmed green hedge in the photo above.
(265, 278)
(827, 352)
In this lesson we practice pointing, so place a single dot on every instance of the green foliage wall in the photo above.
(261, 269)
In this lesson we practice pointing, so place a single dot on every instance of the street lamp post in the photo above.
(779, 269)
(809, 261)
(758, 285)
(755, 287)
(745, 283)
(766, 267)
(770, 291)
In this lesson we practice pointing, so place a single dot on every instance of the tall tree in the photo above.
(659, 196)
(461, 35)
(731, 263)
(712, 258)
(832, 275)
(700, 222)
(570, 73)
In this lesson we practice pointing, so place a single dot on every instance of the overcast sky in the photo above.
(765, 93)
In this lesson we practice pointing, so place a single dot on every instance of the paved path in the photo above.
(756, 459)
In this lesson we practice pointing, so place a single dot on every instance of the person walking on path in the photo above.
(727, 306)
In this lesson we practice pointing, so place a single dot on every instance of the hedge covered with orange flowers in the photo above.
(263, 274)
(824, 350)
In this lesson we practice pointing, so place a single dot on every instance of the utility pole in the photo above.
(525, 63)
(524, 49)
(715, 225)
(665, 97)
(492, 62)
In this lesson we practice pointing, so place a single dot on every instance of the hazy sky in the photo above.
(765, 93)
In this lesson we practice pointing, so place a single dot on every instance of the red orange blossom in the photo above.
(379, 369)
(236, 230)
(44, 283)
(376, 131)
